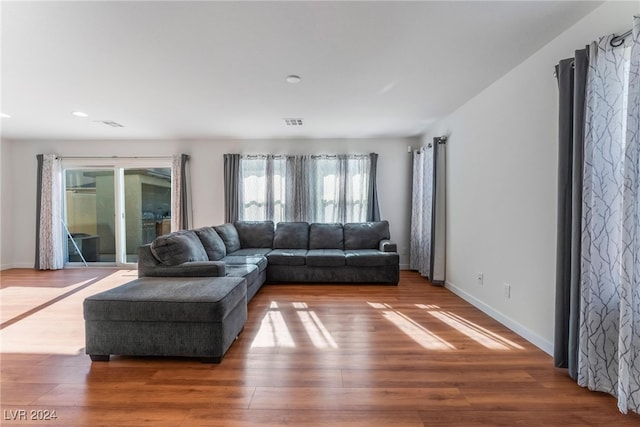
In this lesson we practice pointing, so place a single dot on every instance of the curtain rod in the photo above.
(618, 40)
(113, 157)
(614, 42)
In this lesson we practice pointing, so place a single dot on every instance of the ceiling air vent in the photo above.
(110, 123)
(293, 122)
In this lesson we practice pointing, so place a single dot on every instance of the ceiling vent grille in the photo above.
(110, 123)
(293, 122)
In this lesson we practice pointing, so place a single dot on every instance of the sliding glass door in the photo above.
(111, 210)
(147, 207)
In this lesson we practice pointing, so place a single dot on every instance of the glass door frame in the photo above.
(118, 165)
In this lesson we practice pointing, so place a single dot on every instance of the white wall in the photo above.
(502, 177)
(6, 207)
(207, 178)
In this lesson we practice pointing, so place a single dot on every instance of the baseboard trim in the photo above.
(516, 327)
(404, 266)
(18, 265)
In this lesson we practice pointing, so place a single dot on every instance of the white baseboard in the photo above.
(516, 327)
(18, 265)
(404, 266)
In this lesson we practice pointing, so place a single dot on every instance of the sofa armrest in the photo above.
(187, 269)
(388, 246)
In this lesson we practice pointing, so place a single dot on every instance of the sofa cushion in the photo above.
(251, 252)
(258, 260)
(370, 258)
(168, 299)
(325, 258)
(291, 235)
(248, 271)
(213, 244)
(287, 256)
(365, 235)
(229, 236)
(255, 234)
(326, 236)
(178, 247)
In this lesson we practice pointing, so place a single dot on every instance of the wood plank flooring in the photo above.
(310, 355)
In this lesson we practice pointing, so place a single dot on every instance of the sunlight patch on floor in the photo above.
(17, 300)
(58, 328)
(273, 330)
(417, 332)
(275, 327)
(318, 333)
(477, 333)
(421, 335)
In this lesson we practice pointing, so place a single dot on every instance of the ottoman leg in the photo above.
(210, 359)
(99, 357)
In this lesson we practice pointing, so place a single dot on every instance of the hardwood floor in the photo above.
(310, 355)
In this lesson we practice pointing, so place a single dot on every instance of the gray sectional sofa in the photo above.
(193, 286)
(289, 252)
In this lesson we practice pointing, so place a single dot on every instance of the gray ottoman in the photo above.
(166, 316)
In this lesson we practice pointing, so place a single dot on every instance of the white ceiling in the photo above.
(179, 69)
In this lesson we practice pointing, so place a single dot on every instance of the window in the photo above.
(263, 188)
(305, 188)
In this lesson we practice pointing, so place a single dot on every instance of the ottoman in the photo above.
(166, 316)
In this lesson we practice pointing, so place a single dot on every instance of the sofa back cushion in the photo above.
(365, 235)
(212, 243)
(178, 247)
(255, 234)
(291, 235)
(326, 236)
(229, 236)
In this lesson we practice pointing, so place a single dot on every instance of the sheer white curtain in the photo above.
(49, 227)
(263, 180)
(319, 188)
(339, 188)
(609, 342)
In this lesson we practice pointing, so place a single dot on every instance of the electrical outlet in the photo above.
(507, 290)
(480, 278)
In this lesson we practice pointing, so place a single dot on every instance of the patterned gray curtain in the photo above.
(428, 228)
(49, 227)
(421, 210)
(232, 187)
(572, 78)
(609, 338)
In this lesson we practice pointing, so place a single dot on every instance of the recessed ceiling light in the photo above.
(293, 79)
(5, 116)
(80, 114)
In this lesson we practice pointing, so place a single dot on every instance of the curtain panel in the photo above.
(428, 227)
(607, 345)
(421, 210)
(296, 185)
(49, 226)
(572, 77)
(232, 187)
(598, 271)
(180, 197)
(373, 207)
